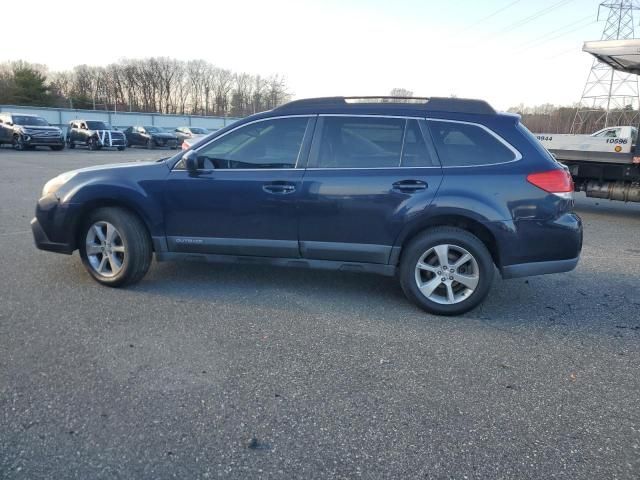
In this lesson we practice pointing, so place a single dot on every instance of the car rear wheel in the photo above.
(92, 143)
(446, 271)
(150, 144)
(115, 247)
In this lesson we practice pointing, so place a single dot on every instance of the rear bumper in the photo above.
(539, 268)
(539, 247)
(43, 243)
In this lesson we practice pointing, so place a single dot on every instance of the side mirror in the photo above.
(191, 161)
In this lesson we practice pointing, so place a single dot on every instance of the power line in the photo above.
(546, 35)
(557, 36)
(532, 17)
(491, 15)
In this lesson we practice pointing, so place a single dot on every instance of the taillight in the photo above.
(557, 181)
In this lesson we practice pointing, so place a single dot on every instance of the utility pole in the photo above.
(610, 97)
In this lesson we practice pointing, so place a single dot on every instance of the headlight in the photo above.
(55, 183)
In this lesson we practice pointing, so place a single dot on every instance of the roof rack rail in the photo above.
(429, 104)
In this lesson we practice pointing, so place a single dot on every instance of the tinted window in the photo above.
(360, 142)
(268, 144)
(25, 120)
(462, 144)
(97, 125)
(415, 152)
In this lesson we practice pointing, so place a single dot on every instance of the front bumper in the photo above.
(54, 225)
(43, 242)
(33, 141)
(165, 142)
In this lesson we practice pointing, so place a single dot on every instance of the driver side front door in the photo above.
(244, 198)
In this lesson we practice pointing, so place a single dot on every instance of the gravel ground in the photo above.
(204, 371)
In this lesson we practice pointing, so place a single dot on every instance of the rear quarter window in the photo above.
(465, 145)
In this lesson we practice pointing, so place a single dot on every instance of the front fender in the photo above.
(140, 192)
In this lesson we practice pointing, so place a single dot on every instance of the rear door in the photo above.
(366, 177)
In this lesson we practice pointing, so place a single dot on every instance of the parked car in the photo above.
(25, 131)
(94, 134)
(191, 133)
(439, 192)
(150, 137)
(187, 143)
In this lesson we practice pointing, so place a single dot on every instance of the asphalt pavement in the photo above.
(206, 371)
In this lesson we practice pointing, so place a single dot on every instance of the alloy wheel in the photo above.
(447, 274)
(105, 249)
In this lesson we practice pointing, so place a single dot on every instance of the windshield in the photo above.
(97, 125)
(199, 131)
(26, 120)
(154, 129)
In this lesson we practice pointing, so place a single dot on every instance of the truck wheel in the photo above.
(115, 247)
(18, 143)
(446, 271)
(150, 144)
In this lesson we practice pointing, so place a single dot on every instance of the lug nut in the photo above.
(443, 279)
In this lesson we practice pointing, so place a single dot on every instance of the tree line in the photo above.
(156, 84)
(548, 118)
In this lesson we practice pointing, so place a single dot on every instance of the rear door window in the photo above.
(415, 151)
(359, 142)
(464, 144)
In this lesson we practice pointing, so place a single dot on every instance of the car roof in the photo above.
(22, 114)
(387, 105)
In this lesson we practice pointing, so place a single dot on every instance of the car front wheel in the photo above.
(115, 247)
(18, 143)
(446, 271)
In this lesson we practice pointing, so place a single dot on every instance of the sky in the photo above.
(504, 51)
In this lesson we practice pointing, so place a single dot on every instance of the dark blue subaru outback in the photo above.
(437, 191)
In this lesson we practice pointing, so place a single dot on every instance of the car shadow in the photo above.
(574, 300)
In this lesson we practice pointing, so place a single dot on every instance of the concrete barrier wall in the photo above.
(61, 117)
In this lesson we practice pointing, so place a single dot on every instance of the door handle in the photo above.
(280, 188)
(410, 186)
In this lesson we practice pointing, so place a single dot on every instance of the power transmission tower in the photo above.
(610, 97)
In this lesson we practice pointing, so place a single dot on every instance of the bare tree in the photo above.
(400, 92)
(160, 84)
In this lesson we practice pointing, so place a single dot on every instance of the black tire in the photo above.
(136, 241)
(56, 148)
(457, 238)
(92, 143)
(18, 143)
(150, 144)
(72, 145)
